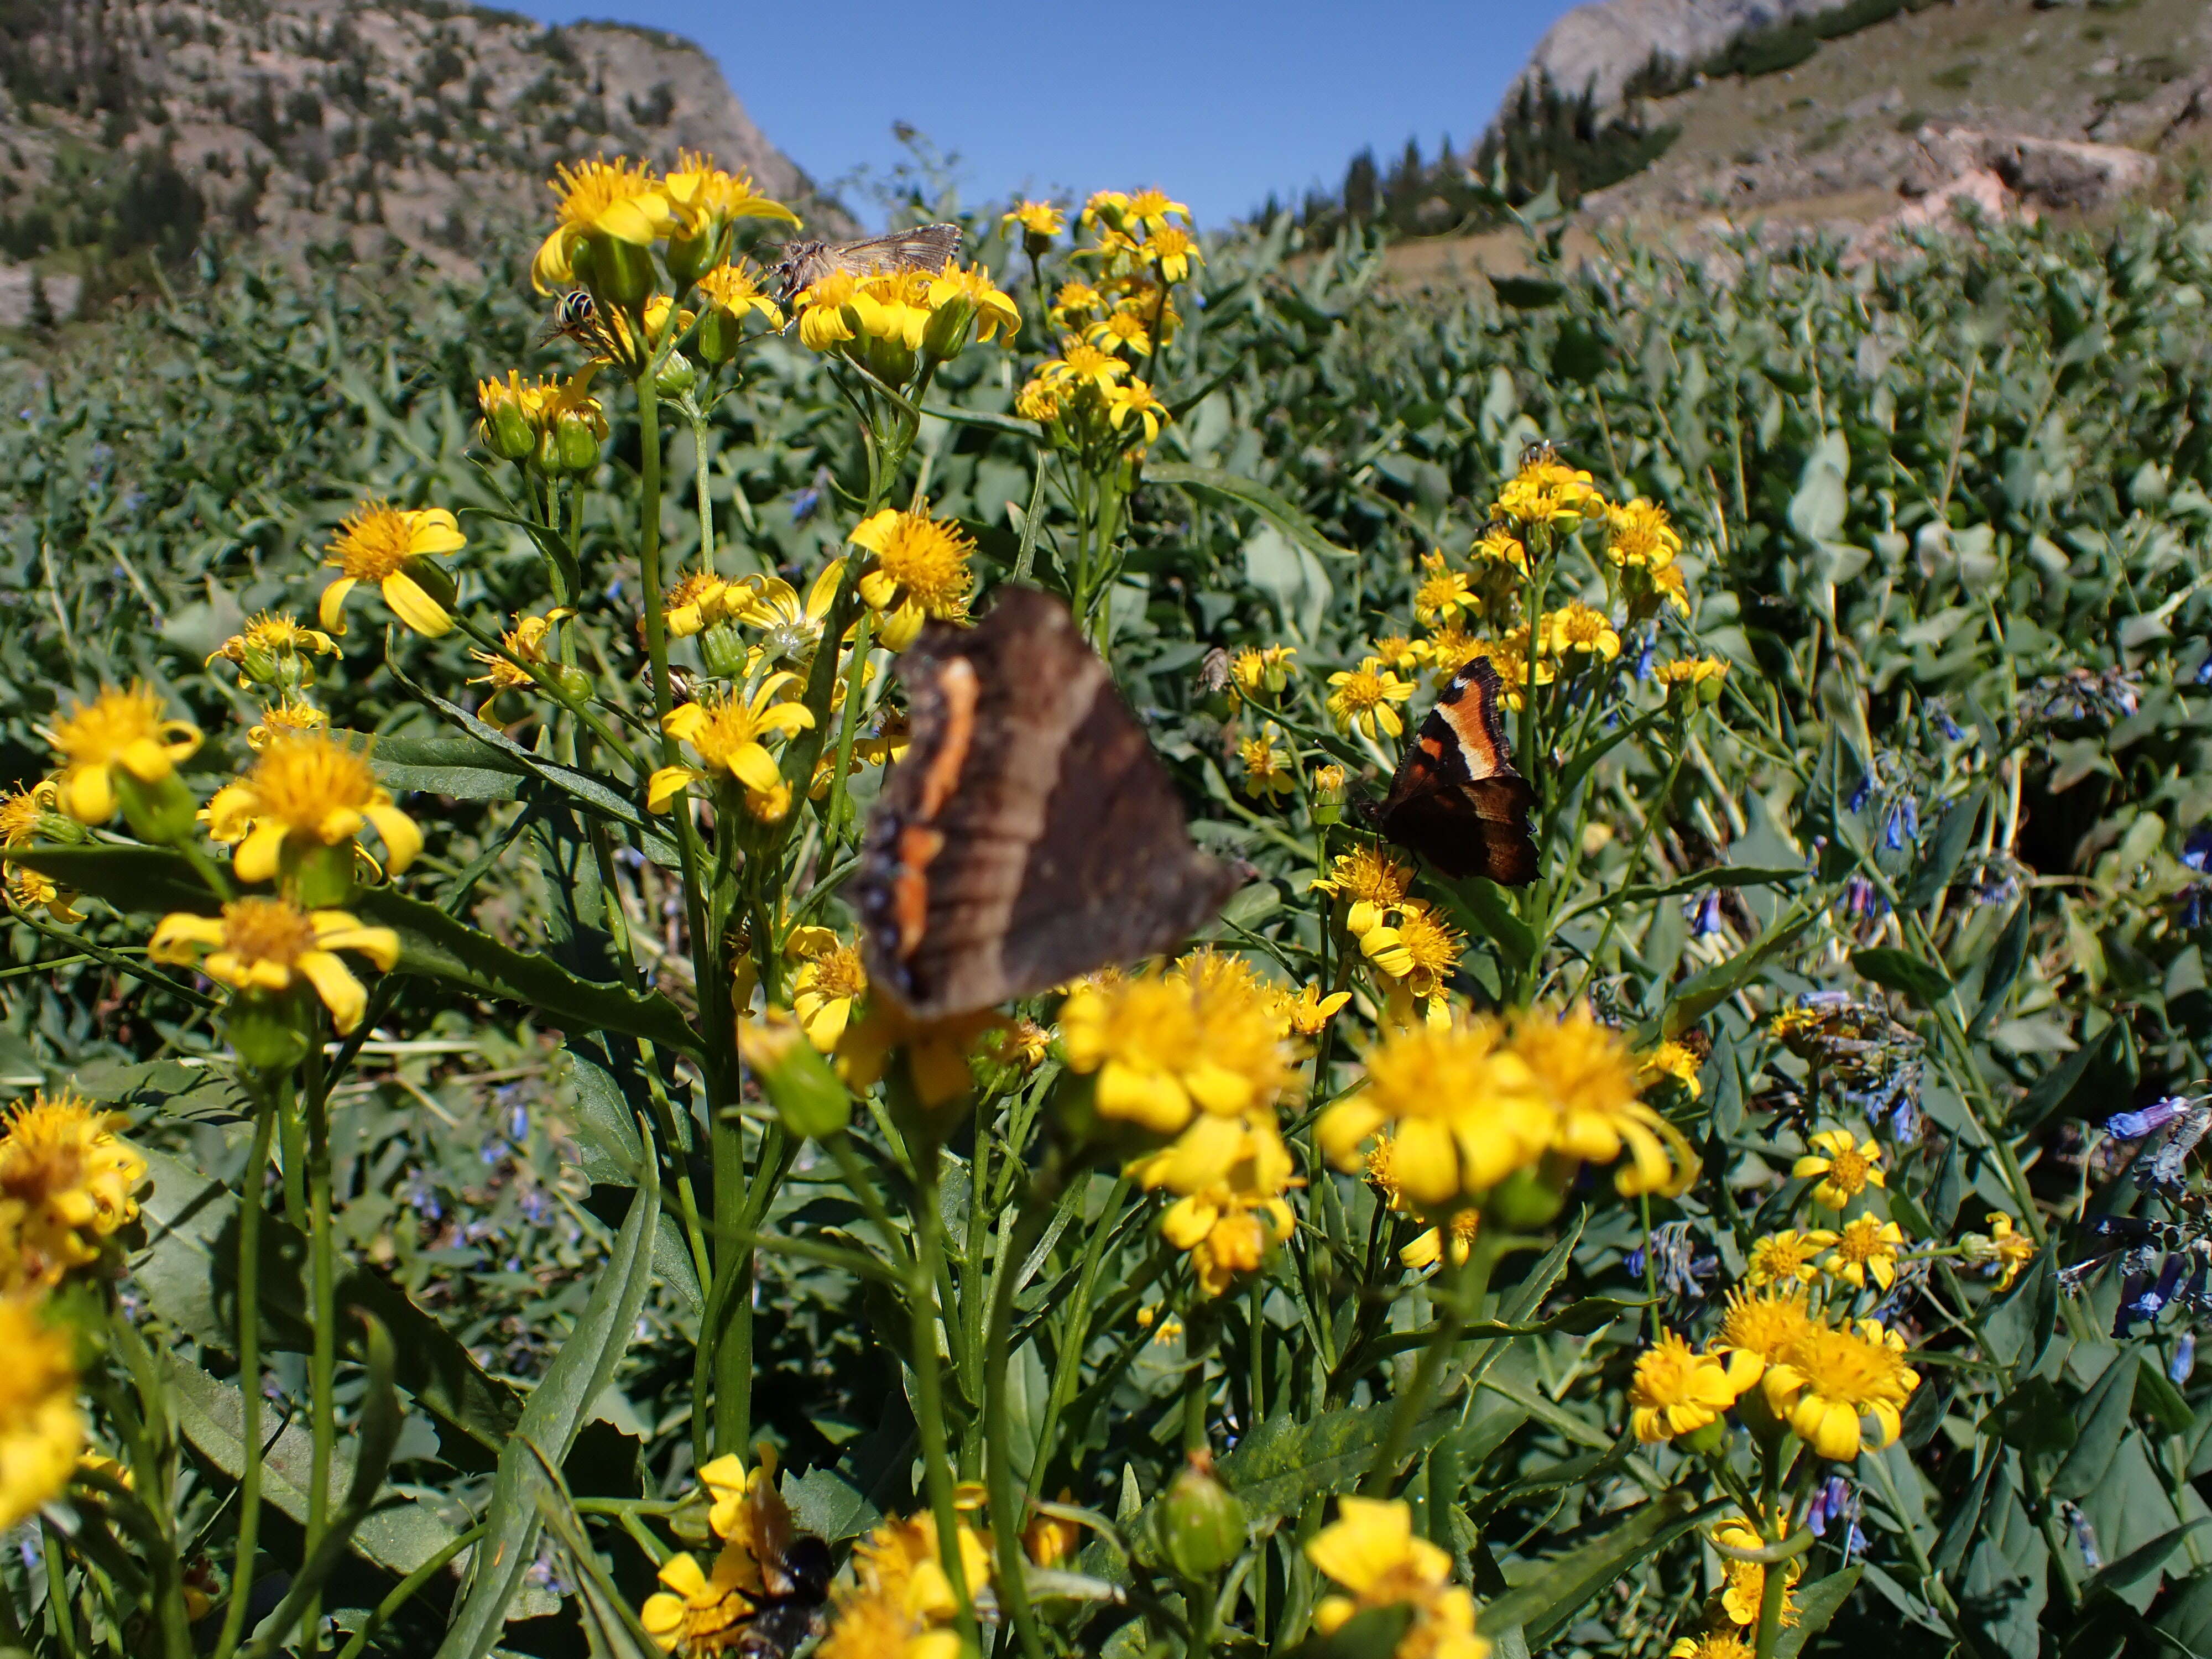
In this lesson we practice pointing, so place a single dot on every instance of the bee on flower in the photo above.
(1547, 494)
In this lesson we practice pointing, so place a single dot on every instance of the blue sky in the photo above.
(1218, 103)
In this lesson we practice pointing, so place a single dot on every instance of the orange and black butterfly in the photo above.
(1456, 799)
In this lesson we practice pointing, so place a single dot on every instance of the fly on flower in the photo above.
(921, 247)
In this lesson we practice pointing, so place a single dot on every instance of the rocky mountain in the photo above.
(368, 128)
(1602, 48)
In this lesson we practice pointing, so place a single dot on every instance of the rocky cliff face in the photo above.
(367, 127)
(1601, 46)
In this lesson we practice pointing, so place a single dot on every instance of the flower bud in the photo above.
(1201, 1523)
(508, 432)
(690, 258)
(947, 331)
(575, 443)
(808, 1097)
(677, 376)
(264, 1032)
(718, 336)
(723, 649)
(575, 684)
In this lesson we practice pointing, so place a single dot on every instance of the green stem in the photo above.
(855, 677)
(322, 1404)
(1627, 878)
(929, 1383)
(252, 1184)
(57, 1594)
(1009, 1509)
(406, 1590)
(1468, 1282)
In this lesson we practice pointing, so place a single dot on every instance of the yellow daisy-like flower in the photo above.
(1074, 300)
(1638, 532)
(1048, 1540)
(1371, 1550)
(1175, 251)
(992, 309)
(702, 199)
(1268, 774)
(1549, 493)
(1744, 1583)
(70, 1182)
(1138, 401)
(1787, 1257)
(730, 733)
(791, 628)
(1038, 401)
(618, 201)
(1042, 219)
(1725, 1642)
(1509, 655)
(1152, 209)
(1866, 1249)
(899, 1603)
(920, 571)
(259, 944)
(529, 641)
(1375, 882)
(1757, 1331)
(118, 731)
(2012, 1250)
(827, 315)
(1834, 1379)
(1123, 329)
(1669, 583)
(1689, 673)
(1107, 204)
(735, 291)
(285, 719)
(1462, 1111)
(830, 980)
(1676, 1390)
(381, 544)
(1079, 365)
(1444, 594)
(1305, 1014)
(273, 642)
(1169, 1048)
(29, 891)
(1498, 545)
(695, 1612)
(1420, 949)
(1579, 628)
(1262, 668)
(1846, 1169)
(302, 794)
(1227, 1225)
(1362, 697)
(1671, 1060)
(24, 809)
(1587, 1073)
(694, 603)
(41, 1429)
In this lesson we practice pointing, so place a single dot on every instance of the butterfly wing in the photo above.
(1456, 799)
(1030, 833)
(923, 248)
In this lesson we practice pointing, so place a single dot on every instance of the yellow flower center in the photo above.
(1847, 1170)
(1435, 946)
(301, 781)
(1846, 1368)
(267, 930)
(19, 811)
(1666, 1374)
(98, 733)
(839, 974)
(1764, 1325)
(1361, 690)
(373, 542)
(929, 560)
(1861, 1242)
(590, 190)
(1431, 1071)
(1781, 1254)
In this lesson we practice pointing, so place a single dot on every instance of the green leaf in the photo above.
(581, 1368)
(457, 767)
(1018, 428)
(2103, 1416)
(436, 945)
(2033, 1418)
(2006, 961)
(609, 1625)
(141, 881)
(1374, 1634)
(188, 1272)
(1817, 1604)
(2100, 1071)
(2157, 1396)
(1591, 1313)
(1719, 875)
(1284, 1461)
(1484, 905)
(1542, 1604)
(1901, 970)
(1275, 509)
(1947, 850)
(1693, 998)
(2142, 1560)
(212, 1415)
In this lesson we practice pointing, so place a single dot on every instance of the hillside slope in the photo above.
(364, 129)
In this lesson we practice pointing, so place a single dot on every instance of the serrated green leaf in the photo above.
(1694, 998)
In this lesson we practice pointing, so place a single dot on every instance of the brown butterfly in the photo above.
(1455, 799)
(924, 247)
(1030, 833)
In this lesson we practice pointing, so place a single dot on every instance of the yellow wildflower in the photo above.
(1305, 1013)
(2012, 1250)
(619, 201)
(1579, 628)
(1588, 1075)
(1427, 1250)
(1420, 949)
(1757, 1331)
(830, 980)
(1462, 1111)
(1638, 532)
(1866, 1249)
(41, 1429)
(694, 603)
(1744, 1583)
(1262, 668)
(118, 731)
(1228, 1225)
(1689, 673)
(1079, 365)
(24, 811)
(70, 1182)
(1371, 1551)
(702, 199)
(1169, 1048)
(258, 944)
(1363, 698)
(1174, 250)
(899, 1603)
(1846, 1170)
(730, 734)
(1444, 594)
(1137, 401)
(1498, 545)
(1671, 1059)
(285, 719)
(1152, 209)
(920, 570)
(1724, 1642)
(1676, 1391)
(1040, 222)
(1835, 1378)
(271, 646)
(381, 544)
(528, 641)
(1048, 1539)
(735, 290)
(1548, 493)
(303, 794)
(1787, 1257)
(1268, 774)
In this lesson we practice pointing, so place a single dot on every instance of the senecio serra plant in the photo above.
(1206, 1287)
